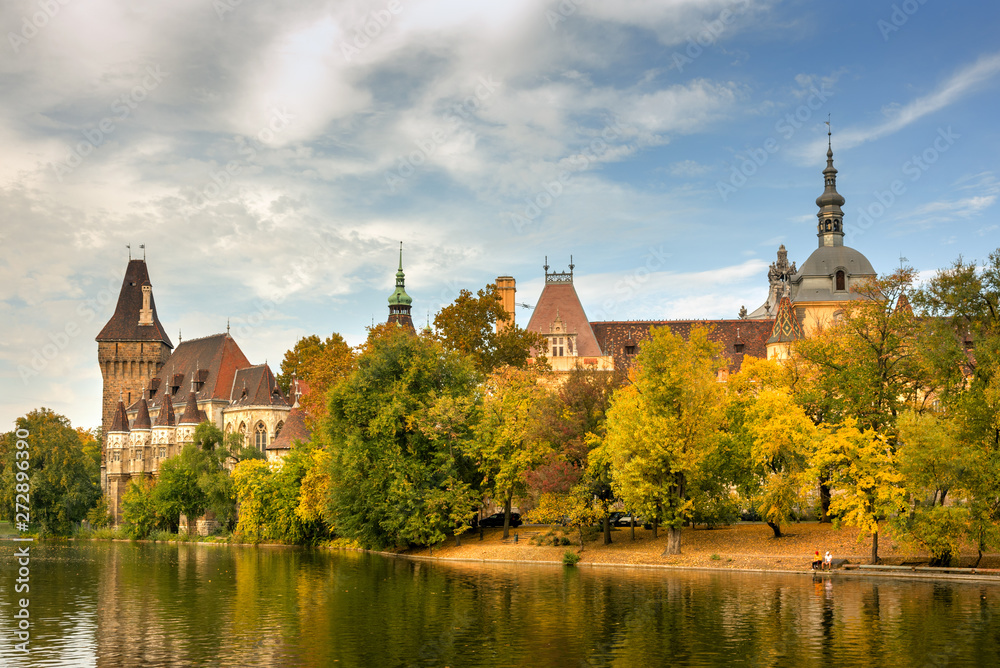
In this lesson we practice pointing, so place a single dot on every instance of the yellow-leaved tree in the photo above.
(865, 481)
(663, 425)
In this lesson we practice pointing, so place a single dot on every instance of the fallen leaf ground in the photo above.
(741, 546)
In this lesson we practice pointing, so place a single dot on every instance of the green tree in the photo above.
(663, 426)
(394, 477)
(321, 364)
(468, 325)
(139, 509)
(61, 480)
(504, 443)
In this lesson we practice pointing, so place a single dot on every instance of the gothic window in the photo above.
(260, 436)
(163, 453)
(243, 434)
(277, 430)
(841, 281)
(569, 345)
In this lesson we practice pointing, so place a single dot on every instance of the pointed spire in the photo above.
(142, 417)
(830, 229)
(166, 416)
(903, 304)
(190, 415)
(400, 302)
(120, 422)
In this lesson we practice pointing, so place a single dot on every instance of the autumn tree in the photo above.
(504, 443)
(394, 478)
(778, 439)
(663, 425)
(866, 481)
(469, 325)
(321, 365)
(61, 480)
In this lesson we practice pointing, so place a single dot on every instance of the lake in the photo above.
(121, 604)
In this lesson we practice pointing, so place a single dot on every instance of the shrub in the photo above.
(564, 540)
(716, 557)
(570, 558)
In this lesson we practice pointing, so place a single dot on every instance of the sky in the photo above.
(271, 155)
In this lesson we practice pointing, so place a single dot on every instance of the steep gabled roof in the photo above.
(124, 324)
(786, 326)
(211, 362)
(256, 386)
(559, 298)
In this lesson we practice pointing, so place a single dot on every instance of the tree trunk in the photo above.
(775, 528)
(607, 529)
(875, 548)
(458, 540)
(656, 525)
(506, 515)
(632, 522)
(824, 500)
(673, 541)
(581, 537)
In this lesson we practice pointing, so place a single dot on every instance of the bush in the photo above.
(564, 540)
(161, 536)
(100, 516)
(716, 557)
(570, 558)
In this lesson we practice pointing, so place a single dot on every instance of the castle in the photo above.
(799, 302)
(155, 395)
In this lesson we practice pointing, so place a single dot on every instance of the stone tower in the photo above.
(400, 302)
(133, 345)
(507, 288)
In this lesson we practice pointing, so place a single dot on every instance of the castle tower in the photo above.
(399, 301)
(133, 344)
(114, 476)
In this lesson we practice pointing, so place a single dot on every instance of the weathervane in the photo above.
(129, 247)
(829, 132)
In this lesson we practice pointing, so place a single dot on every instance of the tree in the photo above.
(779, 439)
(468, 325)
(321, 364)
(62, 481)
(139, 514)
(394, 477)
(504, 444)
(663, 425)
(866, 481)
(867, 360)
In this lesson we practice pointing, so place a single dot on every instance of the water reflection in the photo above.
(177, 605)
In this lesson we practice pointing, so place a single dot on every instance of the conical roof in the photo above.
(166, 416)
(903, 304)
(120, 422)
(142, 420)
(124, 324)
(190, 415)
(786, 326)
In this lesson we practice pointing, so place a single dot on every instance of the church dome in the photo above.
(825, 261)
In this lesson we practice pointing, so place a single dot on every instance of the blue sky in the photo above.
(272, 155)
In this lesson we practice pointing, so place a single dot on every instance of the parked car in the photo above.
(626, 520)
(614, 517)
(496, 520)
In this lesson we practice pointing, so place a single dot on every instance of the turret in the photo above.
(830, 229)
(399, 301)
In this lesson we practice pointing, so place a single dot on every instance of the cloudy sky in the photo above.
(272, 154)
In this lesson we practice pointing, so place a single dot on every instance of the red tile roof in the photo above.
(124, 324)
(737, 337)
(142, 417)
(560, 297)
(120, 422)
(166, 416)
(211, 361)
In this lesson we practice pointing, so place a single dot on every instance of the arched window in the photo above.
(841, 281)
(260, 436)
(243, 434)
(277, 430)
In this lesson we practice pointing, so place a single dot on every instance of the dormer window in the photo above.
(630, 349)
(841, 279)
(738, 348)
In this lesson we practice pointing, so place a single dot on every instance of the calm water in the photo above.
(180, 605)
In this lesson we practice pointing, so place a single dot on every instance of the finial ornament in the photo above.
(129, 247)
(227, 326)
(143, 247)
(546, 265)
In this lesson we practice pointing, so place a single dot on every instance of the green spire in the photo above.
(399, 296)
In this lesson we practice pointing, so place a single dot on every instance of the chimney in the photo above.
(146, 312)
(505, 286)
